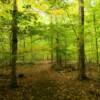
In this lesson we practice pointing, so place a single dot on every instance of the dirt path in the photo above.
(43, 83)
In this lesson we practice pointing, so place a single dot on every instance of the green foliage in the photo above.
(40, 25)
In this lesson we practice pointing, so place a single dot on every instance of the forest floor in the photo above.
(41, 82)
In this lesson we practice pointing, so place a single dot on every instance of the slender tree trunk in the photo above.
(14, 45)
(65, 52)
(31, 47)
(52, 56)
(10, 55)
(58, 46)
(65, 42)
(82, 68)
(52, 45)
(96, 38)
(24, 45)
(58, 51)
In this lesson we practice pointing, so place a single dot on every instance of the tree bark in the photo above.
(82, 68)
(52, 43)
(96, 38)
(65, 52)
(31, 37)
(58, 51)
(14, 45)
(24, 45)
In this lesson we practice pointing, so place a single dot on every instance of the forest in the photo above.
(49, 50)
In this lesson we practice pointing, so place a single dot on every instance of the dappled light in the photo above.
(49, 50)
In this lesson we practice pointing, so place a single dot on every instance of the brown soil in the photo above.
(40, 82)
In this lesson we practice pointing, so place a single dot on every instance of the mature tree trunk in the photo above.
(82, 68)
(14, 44)
(96, 38)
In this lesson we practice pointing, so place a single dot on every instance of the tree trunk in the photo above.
(31, 37)
(52, 55)
(58, 51)
(96, 38)
(52, 44)
(14, 45)
(82, 68)
(24, 45)
(65, 52)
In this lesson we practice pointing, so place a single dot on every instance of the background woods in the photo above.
(50, 39)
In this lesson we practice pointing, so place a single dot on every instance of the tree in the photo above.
(82, 67)
(14, 44)
(96, 38)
